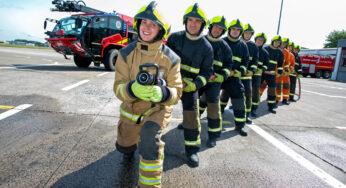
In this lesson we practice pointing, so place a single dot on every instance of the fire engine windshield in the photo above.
(69, 26)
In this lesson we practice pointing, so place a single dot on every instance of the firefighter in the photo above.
(263, 59)
(274, 70)
(146, 109)
(210, 94)
(232, 87)
(283, 81)
(251, 68)
(196, 67)
(286, 78)
(296, 72)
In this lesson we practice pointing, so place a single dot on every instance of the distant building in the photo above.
(339, 73)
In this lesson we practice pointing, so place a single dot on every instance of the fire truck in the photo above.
(92, 36)
(318, 62)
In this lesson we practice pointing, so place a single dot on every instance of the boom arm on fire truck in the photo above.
(73, 6)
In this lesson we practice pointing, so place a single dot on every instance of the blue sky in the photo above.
(306, 22)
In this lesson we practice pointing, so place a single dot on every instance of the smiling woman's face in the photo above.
(148, 30)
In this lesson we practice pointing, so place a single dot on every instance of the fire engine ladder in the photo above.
(73, 6)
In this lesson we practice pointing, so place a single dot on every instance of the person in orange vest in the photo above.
(283, 81)
(296, 72)
(146, 109)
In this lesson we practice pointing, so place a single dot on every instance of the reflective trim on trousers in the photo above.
(149, 181)
(271, 101)
(239, 119)
(150, 167)
(131, 117)
(193, 143)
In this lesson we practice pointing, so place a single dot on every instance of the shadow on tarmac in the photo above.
(58, 68)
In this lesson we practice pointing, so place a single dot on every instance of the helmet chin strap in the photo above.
(158, 37)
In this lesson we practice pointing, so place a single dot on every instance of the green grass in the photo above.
(20, 46)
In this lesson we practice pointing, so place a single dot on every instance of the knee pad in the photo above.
(149, 143)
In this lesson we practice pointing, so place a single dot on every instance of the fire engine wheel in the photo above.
(110, 59)
(318, 74)
(326, 74)
(82, 62)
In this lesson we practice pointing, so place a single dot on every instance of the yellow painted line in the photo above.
(6, 107)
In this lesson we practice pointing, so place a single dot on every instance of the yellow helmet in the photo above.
(297, 47)
(220, 21)
(287, 40)
(237, 24)
(277, 37)
(151, 13)
(261, 35)
(291, 44)
(196, 12)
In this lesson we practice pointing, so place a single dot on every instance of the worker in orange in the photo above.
(283, 81)
(146, 108)
(286, 78)
(295, 73)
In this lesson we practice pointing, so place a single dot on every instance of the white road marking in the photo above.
(332, 96)
(26, 66)
(14, 111)
(342, 128)
(320, 85)
(300, 159)
(102, 74)
(75, 85)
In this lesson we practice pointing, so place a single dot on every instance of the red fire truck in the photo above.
(318, 62)
(93, 36)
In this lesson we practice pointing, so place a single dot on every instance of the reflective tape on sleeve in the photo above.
(189, 69)
(202, 79)
(235, 58)
(273, 62)
(218, 63)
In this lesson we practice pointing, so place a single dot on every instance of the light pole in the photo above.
(282, 2)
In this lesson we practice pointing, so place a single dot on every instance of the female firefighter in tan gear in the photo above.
(145, 110)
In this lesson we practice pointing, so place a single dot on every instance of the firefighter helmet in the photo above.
(236, 24)
(291, 44)
(151, 13)
(220, 21)
(261, 35)
(277, 37)
(287, 40)
(248, 27)
(297, 47)
(196, 12)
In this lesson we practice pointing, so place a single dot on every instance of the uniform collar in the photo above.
(212, 39)
(232, 39)
(245, 40)
(145, 46)
(272, 47)
(190, 37)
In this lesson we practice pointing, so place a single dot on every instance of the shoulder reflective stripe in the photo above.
(253, 66)
(118, 88)
(280, 68)
(150, 167)
(250, 58)
(273, 62)
(239, 119)
(236, 58)
(218, 63)
(215, 130)
(190, 69)
(243, 67)
(149, 181)
(260, 63)
(202, 79)
(192, 143)
(227, 72)
(130, 116)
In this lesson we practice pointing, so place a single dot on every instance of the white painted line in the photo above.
(332, 96)
(75, 85)
(102, 74)
(319, 85)
(26, 66)
(300, 159)
(14, 111)
(342, 128)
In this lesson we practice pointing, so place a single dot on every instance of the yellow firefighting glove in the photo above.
(249, 73)
(278, 75)
(299, 76)
(285, 72)
(190, 86)
(219, 78)
(292, 71)
(157, 94)
(259, 72)
(236, 73)
(141, 91)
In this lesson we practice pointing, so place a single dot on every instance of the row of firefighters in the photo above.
(204, 72)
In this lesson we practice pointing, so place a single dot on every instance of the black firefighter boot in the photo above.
(271, 110)
(211, 142)
(285, 101)
(276, 104)
(248, 119)
(180, 126)
(292, 99)
(128, 156)
(192, 160)
(241, 130)
(253, 113)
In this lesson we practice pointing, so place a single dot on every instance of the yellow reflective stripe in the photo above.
(202, 79)
(132, 117)
(215, 130)
(201, 108)
(193, 143)
(280, 68)
(223, 103)
(174, 96)
(293, 75)
(246, 78)
(286, 66)
(227, 72)
(256, 103)
(291, 94)
(296, 63)
(257, 74)
(248, 110)
(243, 67)
(150, 167)
(118, 88)
(239, 119)
(273, 62)
(253, 66)
(260, 63)
(272, 72)
(122, 41)
(149, 181)
(265, 66)
(300, 70)
(271, 101)
(218, 63)
(279, 95)
(235, 58)
(189, 69)
(250, 58)
(285, 95)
